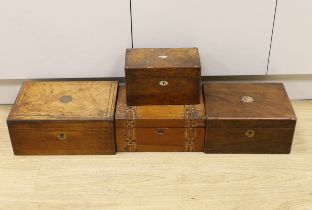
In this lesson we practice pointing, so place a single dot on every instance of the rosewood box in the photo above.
(248, 118)
(64, 118)
(162, 76)
(165, 128)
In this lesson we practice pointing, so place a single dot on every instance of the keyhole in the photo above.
(250, 133)
(160, 131)
(61, 136)
(163, 83)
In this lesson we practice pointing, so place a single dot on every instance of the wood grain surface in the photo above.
(248, 118)
(161, 76)
(64, 118)
(224, 101)
(65, 100)
(155, 128)
(160, 180)
(154, 58)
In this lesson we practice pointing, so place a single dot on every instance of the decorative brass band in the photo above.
(191, 116)
(129, 129)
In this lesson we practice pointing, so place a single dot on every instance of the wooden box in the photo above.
(248, 118)
(165, 128)
(64, 118)
(162, 76)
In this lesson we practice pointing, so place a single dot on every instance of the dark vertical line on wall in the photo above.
(131, 23)
(269, 56)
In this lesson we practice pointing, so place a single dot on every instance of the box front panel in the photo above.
(162, 90)
(249, 140)
(160, 139)
(63, 141)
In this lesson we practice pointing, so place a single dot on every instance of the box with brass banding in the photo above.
(159, 128)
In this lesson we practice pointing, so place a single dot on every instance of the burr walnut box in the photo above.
(159, 128)
(248, 118)
(162, 76)
(64, 118)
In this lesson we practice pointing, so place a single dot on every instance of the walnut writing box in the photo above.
(163, 76)
(248, 118)
(60, 118)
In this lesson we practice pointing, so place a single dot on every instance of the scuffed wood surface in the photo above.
(86, 100)
(160, 180)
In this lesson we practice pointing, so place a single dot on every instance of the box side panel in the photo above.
(249, 140)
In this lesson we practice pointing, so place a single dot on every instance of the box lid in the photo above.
(248, 105)
(158, 115)
(65, 100)
(157, 58)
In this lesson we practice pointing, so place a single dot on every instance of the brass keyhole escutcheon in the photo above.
(250, 133)
(160, 131)
(247, 99)
(61, 135)
(65, 99)
(163, 83)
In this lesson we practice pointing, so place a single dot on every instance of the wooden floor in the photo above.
(160, 180)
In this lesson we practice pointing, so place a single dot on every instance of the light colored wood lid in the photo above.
(65, 100)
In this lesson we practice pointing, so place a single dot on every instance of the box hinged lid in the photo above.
(181, 60)
(65, 101)
(158, 115)
(258, 105)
